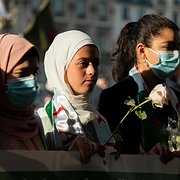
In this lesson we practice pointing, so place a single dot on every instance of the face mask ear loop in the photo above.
(146, 60)
(154, 51)
(150, 65)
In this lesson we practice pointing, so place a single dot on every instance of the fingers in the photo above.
(87, 148)
(176, 154)
(99, 149)
(85, 152)
(161, 149)
(165, 154)
(158, 149)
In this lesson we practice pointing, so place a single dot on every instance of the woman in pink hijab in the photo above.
(18, 65)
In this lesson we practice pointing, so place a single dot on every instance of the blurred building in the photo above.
(95, 17)
(101, 19)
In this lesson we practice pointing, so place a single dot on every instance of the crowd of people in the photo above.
(146, 54)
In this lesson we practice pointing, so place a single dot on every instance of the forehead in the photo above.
(30, 63)
(92, 49)
(87, 51)
(165, 36)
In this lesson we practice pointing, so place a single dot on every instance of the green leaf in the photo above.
(141, 114)
(130, 102)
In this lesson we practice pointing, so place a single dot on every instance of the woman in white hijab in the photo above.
(69, 121)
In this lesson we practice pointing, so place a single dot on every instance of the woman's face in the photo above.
(25, 67)
(82, 71)
(166, 40)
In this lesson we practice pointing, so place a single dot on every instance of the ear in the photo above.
(140, 50)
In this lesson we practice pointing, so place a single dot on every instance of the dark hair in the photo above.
(133, 33)
(32, 52)
(120, 52)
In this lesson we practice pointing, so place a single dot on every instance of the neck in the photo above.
(150, 79)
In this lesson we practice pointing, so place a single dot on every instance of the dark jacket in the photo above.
(112, 107)
(133, 131)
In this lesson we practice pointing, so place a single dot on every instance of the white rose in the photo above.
(159, 95)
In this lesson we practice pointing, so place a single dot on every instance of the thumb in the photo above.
(99, 149)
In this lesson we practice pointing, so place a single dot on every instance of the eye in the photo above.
(95, 63)
(21, 74)
(172, 46)
(84, 64)
(24, 74)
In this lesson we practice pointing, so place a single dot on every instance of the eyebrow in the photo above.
(169, 43)
(89, 59)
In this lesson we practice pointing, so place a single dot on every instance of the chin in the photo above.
(87, 92)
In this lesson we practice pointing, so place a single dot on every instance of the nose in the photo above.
(90, 69)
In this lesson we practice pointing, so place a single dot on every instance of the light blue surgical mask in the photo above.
(22, 92)
(168, 63)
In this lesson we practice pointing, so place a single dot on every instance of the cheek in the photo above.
(75, 84)
(154, 59)
(73, 78)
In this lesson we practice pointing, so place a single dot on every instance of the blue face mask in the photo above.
(22, 92)
(168, 63)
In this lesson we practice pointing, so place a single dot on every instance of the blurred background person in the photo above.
(18, 67)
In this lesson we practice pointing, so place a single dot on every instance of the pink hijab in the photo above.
(17, 125)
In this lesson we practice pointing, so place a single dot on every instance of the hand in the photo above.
(165, 154)
(176, 154)
(86, 148)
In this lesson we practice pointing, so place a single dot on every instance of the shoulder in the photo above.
(125, 86)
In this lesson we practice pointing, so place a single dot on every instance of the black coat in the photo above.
(152, 130)
(112, 107)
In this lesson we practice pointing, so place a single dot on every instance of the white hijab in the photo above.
(57, 58)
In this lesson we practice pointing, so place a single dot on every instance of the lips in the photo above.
(90, 81)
